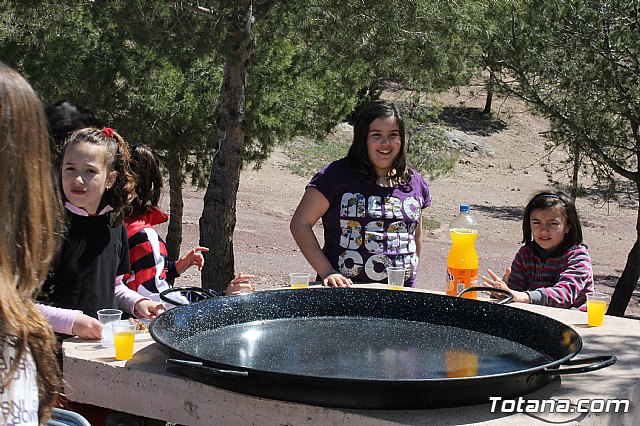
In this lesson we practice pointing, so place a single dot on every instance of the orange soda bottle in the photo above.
(462, 261)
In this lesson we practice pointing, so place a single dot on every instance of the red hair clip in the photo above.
(108, 131)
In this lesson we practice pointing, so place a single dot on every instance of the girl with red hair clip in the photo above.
(87, 276)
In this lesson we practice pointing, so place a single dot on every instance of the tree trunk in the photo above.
(176, 205)
(219, 214)
(576, 171)
(629, 278)
(489, 100)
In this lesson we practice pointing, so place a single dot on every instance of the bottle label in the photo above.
(458, 279)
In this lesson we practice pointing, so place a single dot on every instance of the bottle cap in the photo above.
(465, 208)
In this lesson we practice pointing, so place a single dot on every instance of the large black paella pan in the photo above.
(368, 348)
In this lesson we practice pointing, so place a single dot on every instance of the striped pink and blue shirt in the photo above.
(561, 279)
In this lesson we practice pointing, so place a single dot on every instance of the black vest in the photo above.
(83, 276)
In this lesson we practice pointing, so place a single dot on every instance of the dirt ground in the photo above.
(497, 188)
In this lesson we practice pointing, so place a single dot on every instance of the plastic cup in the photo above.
(596, 307)
(299, 280)
(124, 334)
(106, 317)
(395, 277)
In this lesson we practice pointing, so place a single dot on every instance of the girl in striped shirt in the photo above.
(553, 267)
(151, 271)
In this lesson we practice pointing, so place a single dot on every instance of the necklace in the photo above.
(387, 182)
(383, 181)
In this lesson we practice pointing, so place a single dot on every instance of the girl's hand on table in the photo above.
(496, 282)
(148, 309)
(336, 279)
(240, 284)
(86, 327)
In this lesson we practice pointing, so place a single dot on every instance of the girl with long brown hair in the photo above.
(30, 222)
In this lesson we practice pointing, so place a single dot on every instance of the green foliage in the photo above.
(170, 81)
(155, 70)
(301, 87)
(135, 65)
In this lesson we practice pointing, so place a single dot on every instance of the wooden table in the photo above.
(143, 387)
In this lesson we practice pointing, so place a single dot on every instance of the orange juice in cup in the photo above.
(596, 307)
(124, 334)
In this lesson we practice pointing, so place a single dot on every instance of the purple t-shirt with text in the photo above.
(368, 227)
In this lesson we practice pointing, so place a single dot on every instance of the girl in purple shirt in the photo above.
(370, 203)
(553, 267)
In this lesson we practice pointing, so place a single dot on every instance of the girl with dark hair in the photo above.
(151, 271)
(359, 154)
(31, 220)
(370, 203)
(553, 267)
(97, 185)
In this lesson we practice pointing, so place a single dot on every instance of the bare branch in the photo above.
(195, 8)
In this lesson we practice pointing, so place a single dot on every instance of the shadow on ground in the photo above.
(625, 196)
(471, 120)
(608, 281)
(502, 212)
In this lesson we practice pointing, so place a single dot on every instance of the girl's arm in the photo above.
(493, 280)
(311, 208)
(574, 282)
(59, 318)
(134, 303)
(126, 297)
(418, 238)
(71, 322)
